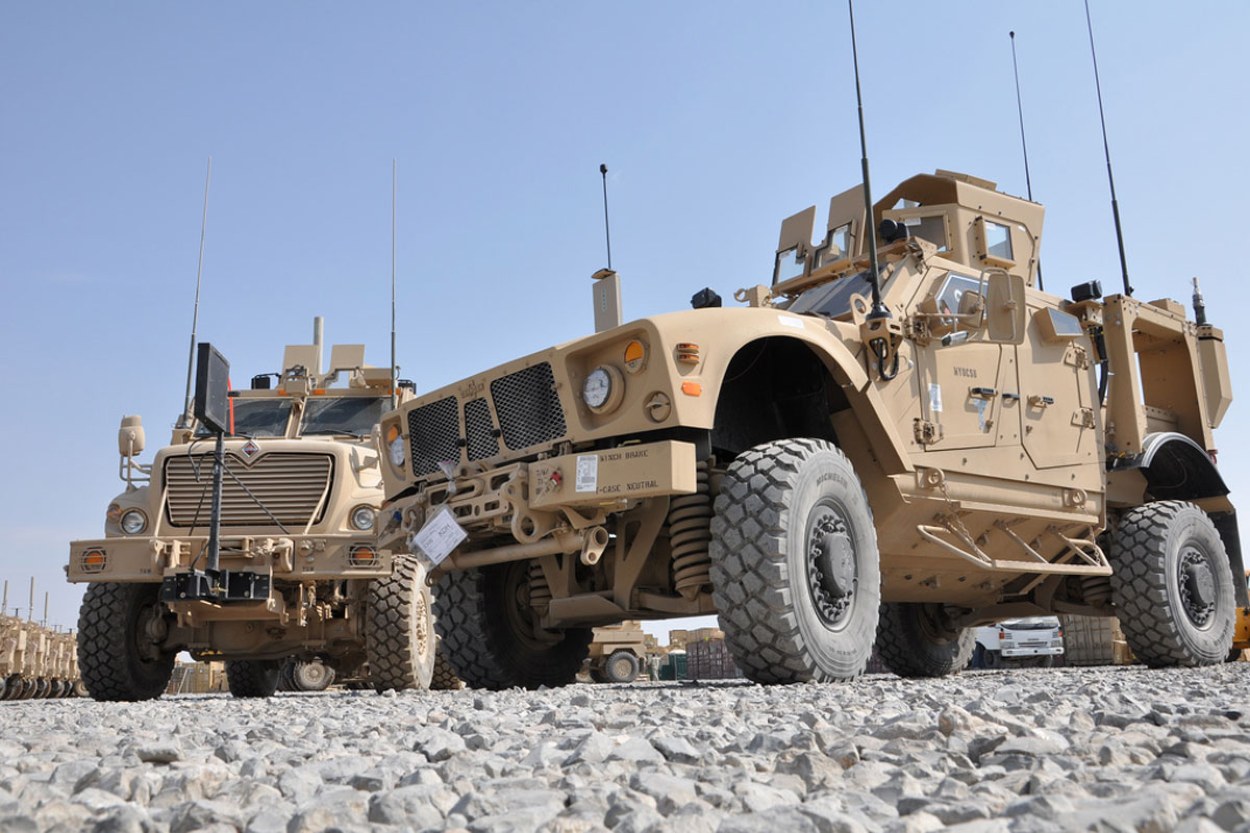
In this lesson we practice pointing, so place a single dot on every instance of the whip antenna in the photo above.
(394, 372)
(184, 421)
(607, 232)
(1115, 207)
(1028, 183)
(879, 309)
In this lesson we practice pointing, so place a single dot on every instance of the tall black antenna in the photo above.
(1028, 183)
(879, 309)
(1115, 207)
(394, 373)
(607, 232)
(184, 421)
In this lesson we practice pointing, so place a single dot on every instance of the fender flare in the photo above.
(848, 372)
(1177, 468)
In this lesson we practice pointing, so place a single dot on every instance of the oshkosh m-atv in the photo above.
(822, 477)
(301, 574)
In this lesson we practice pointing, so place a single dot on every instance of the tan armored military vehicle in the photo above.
(617, 653)
(302, 575)
(821, 477)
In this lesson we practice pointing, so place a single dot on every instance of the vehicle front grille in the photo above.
(290, 488)
(434, 434)
(528, 407)
(479, 431)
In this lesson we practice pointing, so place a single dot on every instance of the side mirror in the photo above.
(1005, 307)
(130, 436)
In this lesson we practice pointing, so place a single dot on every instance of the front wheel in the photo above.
(491, 636)
(919, 640)
(795, 572)
(120, 656)
(311, 676)
(1172, 585)
(399, 637)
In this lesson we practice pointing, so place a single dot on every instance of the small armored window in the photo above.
(932, 229)
(838, 247)
(998, 241)
(790, 264)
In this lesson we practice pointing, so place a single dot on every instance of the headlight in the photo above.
(395, 445)
(363, 518)
(603, 389)
(133, 522)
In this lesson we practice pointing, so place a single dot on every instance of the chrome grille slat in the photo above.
(528, 407)
(434, 435)
(479, 430)
(289, 485)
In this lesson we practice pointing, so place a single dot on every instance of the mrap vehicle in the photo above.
(303, 577)
(820, 475)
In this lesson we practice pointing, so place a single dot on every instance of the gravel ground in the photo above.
(1025, 750)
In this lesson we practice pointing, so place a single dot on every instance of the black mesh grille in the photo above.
(434, 432)
(528, 407)
(479, 431)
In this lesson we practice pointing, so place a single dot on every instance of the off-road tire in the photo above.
(993, 660)
(620, 667)
(488, 635)
(785, 509)
(311, 676)
(1170, 619)
(253, 677)
(399, 635)
(917, 640)
(444, 678)
(116, 658)
(286, 678)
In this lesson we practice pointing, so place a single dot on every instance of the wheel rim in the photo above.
(312, 675)
(517, 608)
(832, 569)
(621, 668)
(1196, 579)
(150, 629)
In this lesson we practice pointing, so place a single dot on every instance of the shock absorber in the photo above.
(1096, 590)
(690, 530)
(540, 590)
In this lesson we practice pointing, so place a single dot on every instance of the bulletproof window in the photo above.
(256, 418)
(932, 229)
(355, 415)
(998, 241)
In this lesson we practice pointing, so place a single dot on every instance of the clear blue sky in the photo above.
(716, 120)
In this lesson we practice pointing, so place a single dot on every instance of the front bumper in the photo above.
(292, 558)
(1032, 651)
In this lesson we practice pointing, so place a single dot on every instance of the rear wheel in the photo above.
(253, 677)
(918, 640)
(993, 659)
(120, 656)
(795, 573)
(1172, 585)
(491, 635)
(399, 640)
(311, 676)
(621, 667)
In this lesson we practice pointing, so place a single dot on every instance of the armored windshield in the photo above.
(257, 418)
(348, 415)
(832, 299)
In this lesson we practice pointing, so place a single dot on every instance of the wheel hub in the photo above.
(831, 573)
(1197, 586)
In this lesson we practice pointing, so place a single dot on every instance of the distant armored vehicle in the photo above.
(618, 653)
(976, 449)
(304, 576)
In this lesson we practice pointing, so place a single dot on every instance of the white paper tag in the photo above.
(587, 479)
(787, 321)
(935, 398)
(440, 535)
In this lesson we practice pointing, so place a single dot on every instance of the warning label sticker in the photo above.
(587, 479)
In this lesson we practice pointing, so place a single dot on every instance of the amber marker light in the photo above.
(635, 356)
(93, 561)
(688, 353)
(692, 388)
(362, 555)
